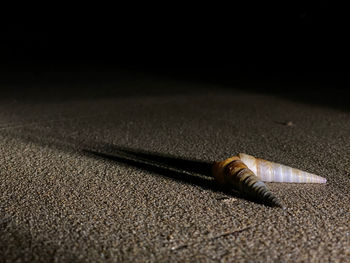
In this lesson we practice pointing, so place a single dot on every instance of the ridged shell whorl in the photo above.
(234, 173)
(274, 172)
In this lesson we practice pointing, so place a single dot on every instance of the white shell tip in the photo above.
(273, 172)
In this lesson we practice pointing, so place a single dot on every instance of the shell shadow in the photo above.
(187, 171)
(192, 172)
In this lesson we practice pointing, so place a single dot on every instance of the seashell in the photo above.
(273, 172)
(234, 173)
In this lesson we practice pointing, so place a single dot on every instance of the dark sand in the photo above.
(61, 202)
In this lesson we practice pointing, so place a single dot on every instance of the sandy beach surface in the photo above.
(69, 192)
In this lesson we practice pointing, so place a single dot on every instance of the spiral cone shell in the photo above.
(273, 172)
(234, 173)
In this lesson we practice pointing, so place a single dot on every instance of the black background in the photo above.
(291, 42)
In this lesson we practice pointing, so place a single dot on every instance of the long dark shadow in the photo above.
(187, 165)
(193, 172)
(175, 173)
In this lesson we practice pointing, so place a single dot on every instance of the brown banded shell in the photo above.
(234, 173)
(273, 172)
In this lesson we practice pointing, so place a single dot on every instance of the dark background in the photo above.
(283, 44)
